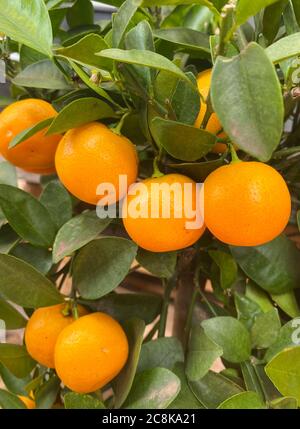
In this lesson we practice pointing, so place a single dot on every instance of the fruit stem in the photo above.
(117, 129)
(156, 170)
(75, 310)
(234, 157)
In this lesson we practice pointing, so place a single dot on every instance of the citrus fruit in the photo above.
(162, 232)
(213, 126)
(91, 155)
(246, 203)
(42, 331)
(36, 154)
(90, 352)
(28, 401)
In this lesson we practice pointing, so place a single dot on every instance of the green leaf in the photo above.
(245, 9)
(37, 257)
(121, 20)
(43, 74)
(182, 141)
(12, 318)
(8, 238)
(202, 353)
(29, 56)
(27, 216)
(76, 233)
(23, 285)
(16, 359)
(160, 353)
(231, 335)
(213, 389)
(185, 400)
(79, 112)
(243, 401)
(272, 19)
(289, 336)
(288, 303)
(159, 264)
(58, 202)
(80, 14)
(125, 306)
(284, 372)
(198, 171)
(185, 38)
(273, 266)
(144, 58)
(57, 16)
(12, 383)
(284, 48)
(101, 266)
(78, 401)
(28, 22)
(29, 132)
(153, 389)
(228, 267)
(286, 403)
(122, 384)
(9, 401)
(265, 329)
(252, 114)
(259, 296)
(84, 52)
(46, 395)
(8, 174)
(246, 309)
(296, 6)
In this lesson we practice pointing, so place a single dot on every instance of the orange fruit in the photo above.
(91, 155)
(246, 203)
(42, 331)
(28, 401)
(36, 154)
(213, 126)
(161, 233)
(90, 352)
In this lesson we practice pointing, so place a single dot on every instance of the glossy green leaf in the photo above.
(273, 266)
(16, 359)
(37, 257)
(185, 400)
(79, 401)
(24, 285)
(9, 401)
(162, 353)
(29, 132)
(228, 267)
(296, 6)
(272, 19)
(231, 335)
(58, 202)
(8, 238)
(213, 389)
(289, 336)
(202, 353)
(29, 56)
(46, 395)
(246, 309)
(43, 74)
(288, 303)
(144, 58)
(265, 329)
(185, 38)
(243, 401)
(76, 233)
(284, 48)
(153, 389)
(125, 306)
(286, 403)
(12, 383)
(101, 266)
(252, 114)
(245, 9)
(182, 141)
(159, 264)
(284, 372)
(259, 296)
(80, 112)
(27, 216)
(12, 318)
(28, 22)
(198, 170)
(134, 329)
(122, 19)
(80, 14)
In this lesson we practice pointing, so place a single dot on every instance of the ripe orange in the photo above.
(42, 331)
(214, 126)
(161, 234)
(91, 155)
(36, 154)
(246, 203)
(28, 401)
(90, 352)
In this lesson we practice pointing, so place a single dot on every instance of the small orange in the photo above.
(28, 401)
(42, 331)
(214, 126)
(246, 203)
(161, 233)
(91, 155)
(90, 352)
(36, 154)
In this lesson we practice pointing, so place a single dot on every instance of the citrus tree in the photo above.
(166, 91)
